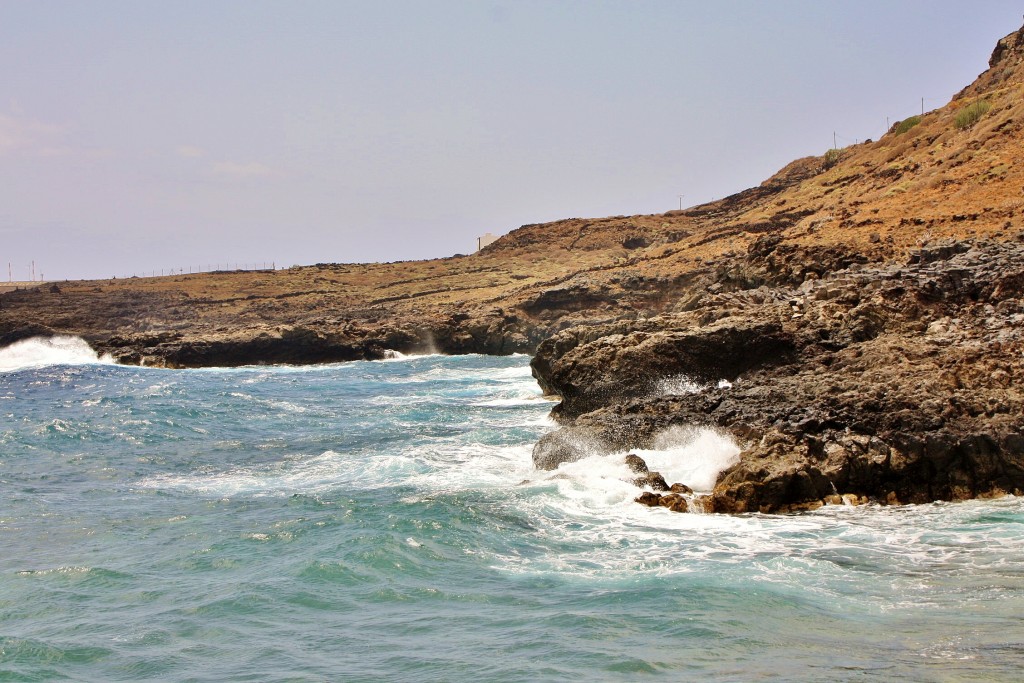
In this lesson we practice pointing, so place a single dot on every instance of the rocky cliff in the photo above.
(897, 382)
(850, 361)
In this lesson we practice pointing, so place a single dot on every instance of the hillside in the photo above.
(872, 202)
(867, 345)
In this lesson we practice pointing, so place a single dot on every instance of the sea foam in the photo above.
(693, 455)
(38, 352)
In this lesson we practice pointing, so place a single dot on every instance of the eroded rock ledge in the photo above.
(899, 382)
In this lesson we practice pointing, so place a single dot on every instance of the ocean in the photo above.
(374, 521)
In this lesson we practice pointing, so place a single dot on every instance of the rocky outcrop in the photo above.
(495, 334)
(615, 367)
(893, 382)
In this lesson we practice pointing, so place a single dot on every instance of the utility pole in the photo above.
(681, 201)
(33, 271)
(922, 106)
(834, 140)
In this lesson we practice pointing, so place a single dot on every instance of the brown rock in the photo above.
(674, 502)
(636, 464)
(649, 499)
(653, 480)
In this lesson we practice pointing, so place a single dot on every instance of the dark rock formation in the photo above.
(615, 367)
(895, 382)
(25, 331)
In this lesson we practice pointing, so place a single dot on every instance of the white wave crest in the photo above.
(292, 474)
(689, 455)
(528, 397)
(38, 352)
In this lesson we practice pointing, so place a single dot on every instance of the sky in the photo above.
(139, 136)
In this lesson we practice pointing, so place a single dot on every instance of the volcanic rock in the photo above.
(900, 385)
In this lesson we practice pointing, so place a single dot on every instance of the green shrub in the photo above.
(906, 124)
(831, 158)
(970, 114)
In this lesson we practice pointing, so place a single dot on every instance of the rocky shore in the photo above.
(898, 383)
(854, 323)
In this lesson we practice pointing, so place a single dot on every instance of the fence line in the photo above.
(890, 121)
(226, 267)
(38, 277)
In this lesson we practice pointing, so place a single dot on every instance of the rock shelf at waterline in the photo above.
(895, 383)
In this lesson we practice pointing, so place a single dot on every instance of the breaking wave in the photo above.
(38, 352)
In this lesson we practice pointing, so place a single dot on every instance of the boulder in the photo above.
(654, 480)
(636, 464)
(566, 445)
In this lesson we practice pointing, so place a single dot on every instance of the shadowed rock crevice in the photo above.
(616, 367)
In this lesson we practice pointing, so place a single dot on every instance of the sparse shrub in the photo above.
(970, 114)
(830, 159)
(905, 125)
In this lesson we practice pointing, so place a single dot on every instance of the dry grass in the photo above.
(930, 178)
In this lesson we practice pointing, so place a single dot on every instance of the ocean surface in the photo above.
(375, 521)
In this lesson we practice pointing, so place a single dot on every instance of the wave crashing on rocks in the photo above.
(38, 352)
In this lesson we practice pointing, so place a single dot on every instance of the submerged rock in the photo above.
(673, 501)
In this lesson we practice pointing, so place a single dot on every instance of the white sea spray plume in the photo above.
(692, 455)
(38, 352)
(678, 384)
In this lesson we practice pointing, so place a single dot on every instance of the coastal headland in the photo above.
(856, 321)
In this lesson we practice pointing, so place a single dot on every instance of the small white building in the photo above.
(487, 238)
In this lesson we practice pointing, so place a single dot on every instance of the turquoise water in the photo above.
(382, 521)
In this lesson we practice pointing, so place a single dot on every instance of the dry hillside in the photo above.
(949, 173)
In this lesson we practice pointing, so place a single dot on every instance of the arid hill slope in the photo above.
(875, 201)
(871, 334)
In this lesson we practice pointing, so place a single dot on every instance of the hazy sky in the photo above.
(144, 135)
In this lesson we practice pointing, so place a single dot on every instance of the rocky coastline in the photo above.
(855, 323)
(897, 383)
